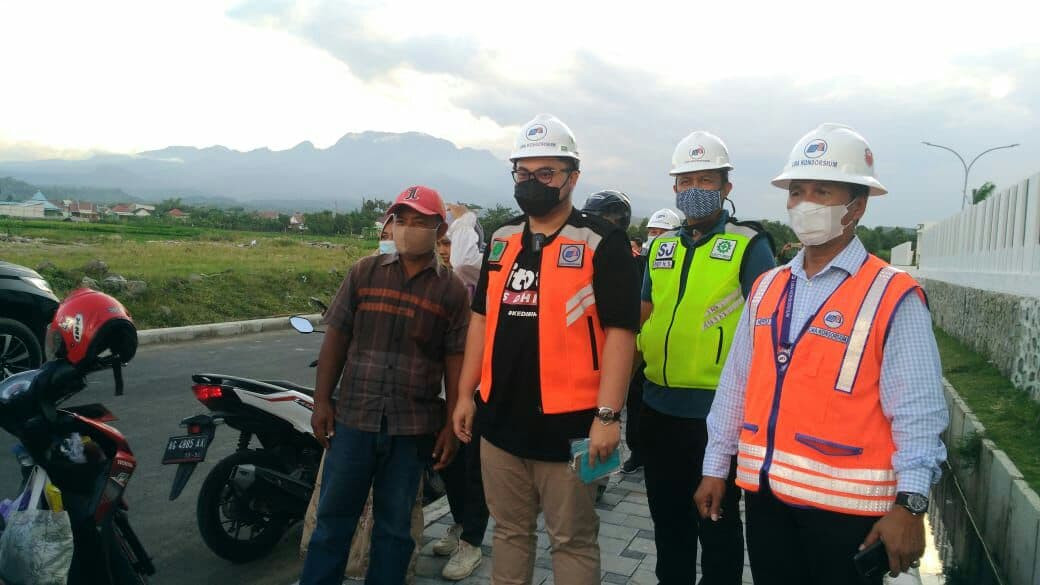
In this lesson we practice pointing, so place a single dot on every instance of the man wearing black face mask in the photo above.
(550, 345)
(694, 287)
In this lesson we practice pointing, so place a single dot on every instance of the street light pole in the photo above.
(967, 166)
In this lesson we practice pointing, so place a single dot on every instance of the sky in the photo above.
(631, 81)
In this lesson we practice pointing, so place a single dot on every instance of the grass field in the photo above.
(1011, 417)
(193, 275)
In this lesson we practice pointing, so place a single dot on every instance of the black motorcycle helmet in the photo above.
(613, 206)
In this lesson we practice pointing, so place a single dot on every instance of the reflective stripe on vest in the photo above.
(570, 337)
(864, 320)
(697, 301)
(814, 424)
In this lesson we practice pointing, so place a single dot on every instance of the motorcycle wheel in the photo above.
(234, 526)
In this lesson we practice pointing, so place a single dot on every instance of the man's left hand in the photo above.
(603, 439)
(903, 535)
(445, 447)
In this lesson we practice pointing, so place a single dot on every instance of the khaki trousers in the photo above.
(516, 488)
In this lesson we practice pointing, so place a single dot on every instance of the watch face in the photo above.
(917, 503)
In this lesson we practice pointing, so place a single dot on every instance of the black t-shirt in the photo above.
(511, 419)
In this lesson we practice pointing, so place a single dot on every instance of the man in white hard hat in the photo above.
(663, 220)
(831, 401)
(696, 281)
(550, 346)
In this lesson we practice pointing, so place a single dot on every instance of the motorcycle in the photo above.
(251, 497)
(92, 484)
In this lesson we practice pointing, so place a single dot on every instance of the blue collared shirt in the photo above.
(687, 402)
(911, 378)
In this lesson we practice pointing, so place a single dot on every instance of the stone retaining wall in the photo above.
(1003, 327)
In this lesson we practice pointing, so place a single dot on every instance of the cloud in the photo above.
(628, 117)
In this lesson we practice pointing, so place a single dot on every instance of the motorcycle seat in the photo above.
(291, 386)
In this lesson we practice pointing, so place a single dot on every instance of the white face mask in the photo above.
(816, 224)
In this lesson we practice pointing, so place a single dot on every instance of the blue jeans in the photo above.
(392, 466)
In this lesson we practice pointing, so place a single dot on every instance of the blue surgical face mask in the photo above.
(387, 247)
(698, 203)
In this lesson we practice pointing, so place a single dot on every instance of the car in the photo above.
(27, 306)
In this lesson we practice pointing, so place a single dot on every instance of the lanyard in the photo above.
(783, 354)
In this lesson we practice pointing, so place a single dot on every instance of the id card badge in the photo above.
(588, 472)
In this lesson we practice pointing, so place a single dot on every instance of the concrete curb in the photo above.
(191, 332)
(1005, 507)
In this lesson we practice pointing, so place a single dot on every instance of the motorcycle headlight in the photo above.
(38, 283)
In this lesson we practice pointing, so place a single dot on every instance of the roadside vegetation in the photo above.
(1011, 417)
(190, 275)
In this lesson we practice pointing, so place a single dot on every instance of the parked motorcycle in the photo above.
(87, 459)
(251, 497)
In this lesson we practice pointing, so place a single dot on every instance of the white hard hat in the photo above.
(831, 152)
(545, 135)
(664, 219)
(700, 151)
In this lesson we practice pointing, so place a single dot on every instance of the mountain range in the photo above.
(361, 165)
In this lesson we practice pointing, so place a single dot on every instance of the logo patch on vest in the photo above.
(761, 321)
(833, 319)
(498, 249)
(723, 249)
(665, 257)
(571, 255)
(827, 333)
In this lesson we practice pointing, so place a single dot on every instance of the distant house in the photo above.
(177, 214)
(296, 222)
(22, 209)
(142, 213)
(121, 210)
(140, 206)
(49, 209)
(78, 210)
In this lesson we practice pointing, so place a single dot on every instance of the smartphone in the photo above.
(872, 561)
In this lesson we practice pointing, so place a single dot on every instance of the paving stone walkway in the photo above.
(626, 540)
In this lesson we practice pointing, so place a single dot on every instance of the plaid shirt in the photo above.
(400, 331)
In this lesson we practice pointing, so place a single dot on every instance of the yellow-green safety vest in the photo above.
(697, 303)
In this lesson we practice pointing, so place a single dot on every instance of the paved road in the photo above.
(158, 395)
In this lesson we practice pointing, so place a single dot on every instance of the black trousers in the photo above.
(465, 490)
(802, 545)
(673, 452)
(634, 404)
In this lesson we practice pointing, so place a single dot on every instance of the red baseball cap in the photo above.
(422, 199)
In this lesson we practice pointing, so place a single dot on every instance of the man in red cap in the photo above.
(396, 328)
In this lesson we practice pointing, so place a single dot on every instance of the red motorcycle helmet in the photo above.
(88, 324)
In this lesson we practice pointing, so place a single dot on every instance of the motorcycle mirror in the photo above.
(302, 325)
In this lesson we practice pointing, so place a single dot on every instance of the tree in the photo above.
(637, 229)
(492, 218)
(979, 195)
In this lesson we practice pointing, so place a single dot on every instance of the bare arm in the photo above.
(452, 369)
(617, 367)
(469, 378)
(331, 359)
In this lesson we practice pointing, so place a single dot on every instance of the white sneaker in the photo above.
(448, 543)
(462, 564)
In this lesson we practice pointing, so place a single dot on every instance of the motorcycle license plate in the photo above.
(186, 449)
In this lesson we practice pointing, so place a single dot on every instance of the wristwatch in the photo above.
(915, 503)
(607, 415)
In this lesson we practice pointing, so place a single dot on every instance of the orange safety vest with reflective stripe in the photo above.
(813, 423)
(570, 337)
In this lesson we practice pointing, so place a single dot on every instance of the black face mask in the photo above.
(535, 198)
